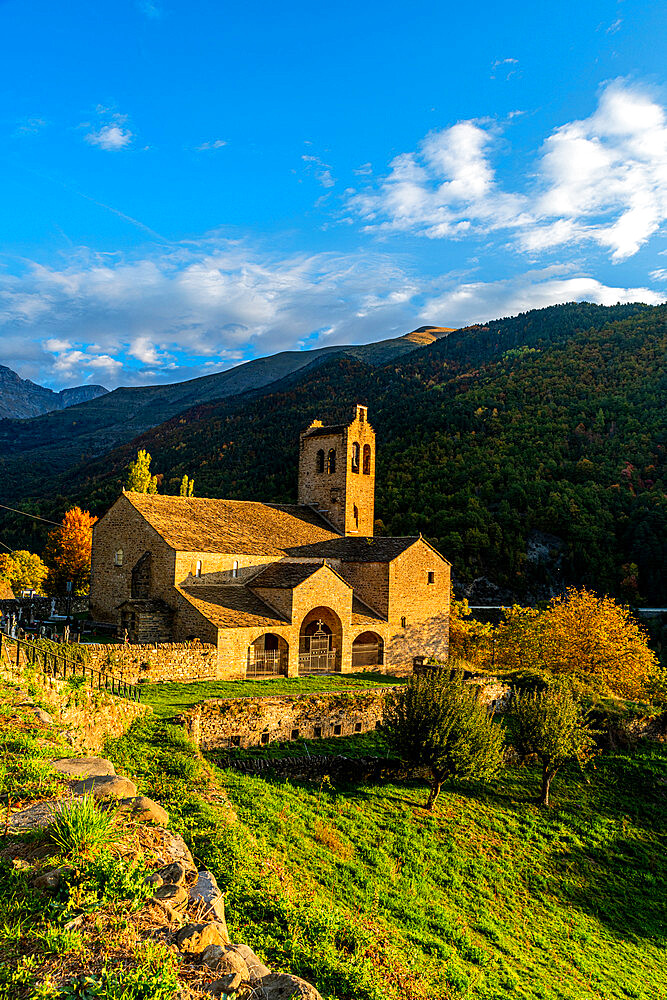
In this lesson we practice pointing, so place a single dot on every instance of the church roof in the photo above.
(355, 548)
(286, 575)
(362, 614)
(325, 431)
(246, 527)
(231, 606)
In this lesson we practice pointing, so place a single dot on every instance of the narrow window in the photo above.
(264, 738)
(319, 461)
(295, 734)
(317, 732)
(356, 515)
(367, 460)
(403, 622)
(236, 741)
(235, 568)
(357, 727)
(355, 457)
(431, 576)
(198, 568)
(331, 462)
(338, 730)
(118, 557)
(362, 414)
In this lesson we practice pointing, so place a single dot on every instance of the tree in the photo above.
(139, 477)
(551, 726)
(469, 639)
(579, 636)
(67, 552)
(435, 721)
(187, 487)
(23, 570)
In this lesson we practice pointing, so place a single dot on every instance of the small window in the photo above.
(198, 568)
(357, 727)
(331, 462)
(264, 738)
(294, 734)
(317, 732)
(431, 576)
(403, 622)
(118, 557)
(356, 451)
(236, 741)
(235, 568)
(362, 414)
(367, 460)
(338, 730)
(356, 515)
(319, 461)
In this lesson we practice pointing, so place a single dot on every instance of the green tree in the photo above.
(139, 477)
(435, 721)
(551, 726)
(27, 572)
(187, 487)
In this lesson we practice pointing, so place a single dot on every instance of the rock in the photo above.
(155, 879)
(195, 938)
(206, 892)
(141, 808)
(43, 716)
(175, 895)
(226, 986)
(225, 961)
(173, 874)
(173, 915)
(256, 968)
(286, 987)
(106, 786)
(174, 848)
(84, 767)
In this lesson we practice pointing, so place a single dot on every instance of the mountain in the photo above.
(20, 398)
(61, 439)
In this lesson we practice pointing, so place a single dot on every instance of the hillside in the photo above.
(529, 450)
(62, 439)
(21, 398)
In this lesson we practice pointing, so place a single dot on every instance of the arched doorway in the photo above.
(368, 650)
(267, 656)
(320, 640)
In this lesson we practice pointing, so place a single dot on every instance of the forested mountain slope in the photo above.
(531, 450)
(21, 398)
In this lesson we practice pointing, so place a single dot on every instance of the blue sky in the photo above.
(184, 186)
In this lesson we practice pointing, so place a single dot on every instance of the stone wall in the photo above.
(39, 608)
(247, 722)
(168, 661)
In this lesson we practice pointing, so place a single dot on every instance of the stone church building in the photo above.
(278, 588)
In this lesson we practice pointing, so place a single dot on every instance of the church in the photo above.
(286, 589)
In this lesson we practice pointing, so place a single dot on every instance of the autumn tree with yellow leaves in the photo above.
(67, 552)
(579, 636)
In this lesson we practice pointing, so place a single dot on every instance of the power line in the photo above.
(35, 517)
(6, 546)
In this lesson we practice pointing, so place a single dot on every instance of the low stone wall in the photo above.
(166, 661)
(39, 608)
(247, 722)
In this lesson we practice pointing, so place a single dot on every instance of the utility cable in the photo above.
(35, 517)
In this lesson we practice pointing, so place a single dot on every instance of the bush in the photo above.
(81, 826)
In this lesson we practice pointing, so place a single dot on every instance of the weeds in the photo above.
(81, 826)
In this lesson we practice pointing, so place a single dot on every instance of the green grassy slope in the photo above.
(361, 891)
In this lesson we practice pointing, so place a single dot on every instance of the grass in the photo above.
(81, 827)
(169, 699)
(359, 890)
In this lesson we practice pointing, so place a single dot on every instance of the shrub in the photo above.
(81, 826)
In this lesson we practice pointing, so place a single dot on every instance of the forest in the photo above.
(529, 450)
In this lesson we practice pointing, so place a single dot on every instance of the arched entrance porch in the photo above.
(368, 650)
(267, 656)
(320, 640)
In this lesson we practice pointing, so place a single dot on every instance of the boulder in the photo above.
(225, 986)
(107, 786)
(286, 987)
(173, 874)
(42, 716)
(143, 809)
(52, 878)
(206, 892)
(84, 767)
(225, 962)
(256, 968)
(155, 880)
(195, 938)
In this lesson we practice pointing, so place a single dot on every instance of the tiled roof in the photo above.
(325, 431)
(357, 549)
(246, 527)
(363, 615)
(286, 575)
(231, 606)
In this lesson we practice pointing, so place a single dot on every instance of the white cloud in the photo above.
(321, 170)
(660, 274)
(110, 137)
(186, 310)
(479, 301)
(213, 144)
(602, 179)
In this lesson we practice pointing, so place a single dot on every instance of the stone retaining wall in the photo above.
(247, 722)
(167, 661)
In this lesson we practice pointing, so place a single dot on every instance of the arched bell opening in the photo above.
(320, 641)
(267, 656)
(368, 650)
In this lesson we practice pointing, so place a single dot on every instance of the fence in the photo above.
(56, 664)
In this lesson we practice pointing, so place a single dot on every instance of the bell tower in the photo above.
(337, 472)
